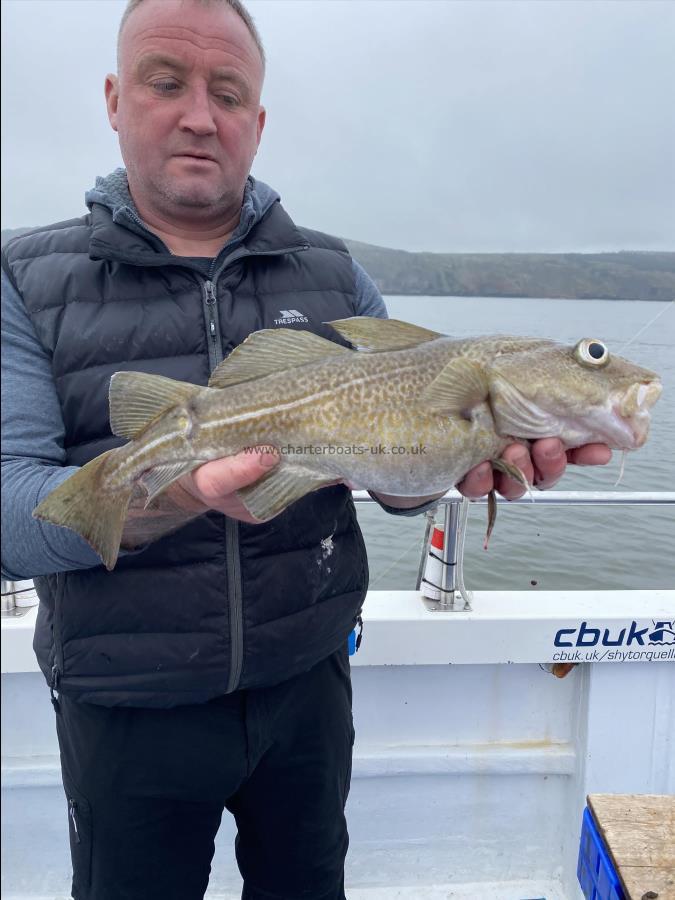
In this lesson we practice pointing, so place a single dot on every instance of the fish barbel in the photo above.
(407, 413)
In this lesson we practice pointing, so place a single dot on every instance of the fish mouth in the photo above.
(631, 413)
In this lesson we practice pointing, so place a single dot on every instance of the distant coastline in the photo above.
(626, 275)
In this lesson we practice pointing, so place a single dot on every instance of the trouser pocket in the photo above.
(80, 833)
(78, 807)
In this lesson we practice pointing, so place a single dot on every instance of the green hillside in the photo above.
(614, 276)
(626, 275)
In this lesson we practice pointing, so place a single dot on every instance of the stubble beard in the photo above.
(173, 196)
(171, 199)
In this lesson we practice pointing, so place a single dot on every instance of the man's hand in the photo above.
(213, 485)
(543, 465)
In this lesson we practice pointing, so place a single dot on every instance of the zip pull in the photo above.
(72, 806)
(211, 300)
(210, 293)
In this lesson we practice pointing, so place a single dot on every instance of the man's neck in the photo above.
(191, 245)
(186, 239)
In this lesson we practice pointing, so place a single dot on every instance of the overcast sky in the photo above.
(419, 124)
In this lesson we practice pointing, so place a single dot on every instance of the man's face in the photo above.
(186, 106)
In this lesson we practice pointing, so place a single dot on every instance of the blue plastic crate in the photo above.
(351, 643)
(595, 870)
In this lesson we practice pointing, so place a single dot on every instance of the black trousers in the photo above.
(146, 789)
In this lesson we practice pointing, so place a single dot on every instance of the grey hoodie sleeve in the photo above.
(369, 300)
(33, 454)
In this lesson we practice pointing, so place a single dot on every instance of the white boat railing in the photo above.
(19, 596)
(563, 498)
(453, 593)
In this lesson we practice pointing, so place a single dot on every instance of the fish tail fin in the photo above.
(80, 503)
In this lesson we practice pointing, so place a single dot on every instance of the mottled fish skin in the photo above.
(405, 422)
(372, 402)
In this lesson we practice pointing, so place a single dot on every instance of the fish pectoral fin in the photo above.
(285, 484)
(81, 504)
(269, 351)
(159, 478)
(137, 398)
(515, 415)
(461, 385)
(371, 333)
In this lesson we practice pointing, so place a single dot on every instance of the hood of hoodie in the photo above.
(112, 191)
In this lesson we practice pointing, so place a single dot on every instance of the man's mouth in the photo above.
(195, 154)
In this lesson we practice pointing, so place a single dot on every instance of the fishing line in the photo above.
(627, 344)
(416, 543)
(645, 327)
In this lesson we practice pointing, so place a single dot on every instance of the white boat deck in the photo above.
(471, 764)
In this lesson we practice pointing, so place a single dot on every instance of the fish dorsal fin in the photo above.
(370, 333)
(460, 385)
(269, 351)
(137, 398)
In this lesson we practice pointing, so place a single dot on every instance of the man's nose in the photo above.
(197, 116)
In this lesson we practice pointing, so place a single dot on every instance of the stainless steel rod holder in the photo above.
(8, 598)
(449, 574)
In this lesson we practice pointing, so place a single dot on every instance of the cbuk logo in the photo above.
(663, 632)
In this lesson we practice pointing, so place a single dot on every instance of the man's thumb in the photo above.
(267, 456)
(220, 477)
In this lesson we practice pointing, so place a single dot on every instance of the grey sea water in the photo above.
(536, 547)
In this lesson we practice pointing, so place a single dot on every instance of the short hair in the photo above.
(236, 5)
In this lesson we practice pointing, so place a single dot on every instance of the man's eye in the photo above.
(228, 99)
(165, 87)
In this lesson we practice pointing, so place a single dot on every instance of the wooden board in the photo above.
(639, 831)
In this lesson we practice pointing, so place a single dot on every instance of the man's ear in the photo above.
(111, 99)
(262, 115)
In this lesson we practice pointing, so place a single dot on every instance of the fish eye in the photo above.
(590, 352)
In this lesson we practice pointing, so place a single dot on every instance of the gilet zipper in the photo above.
(235, 588)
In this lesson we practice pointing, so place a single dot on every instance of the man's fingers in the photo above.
(550, 460)
(518, 456)
(221, 477)
(477, 482)
(480, 480)
(590, 455)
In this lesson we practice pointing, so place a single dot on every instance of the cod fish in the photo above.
(408, 412)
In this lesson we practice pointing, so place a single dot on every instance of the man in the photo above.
(209, 669)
